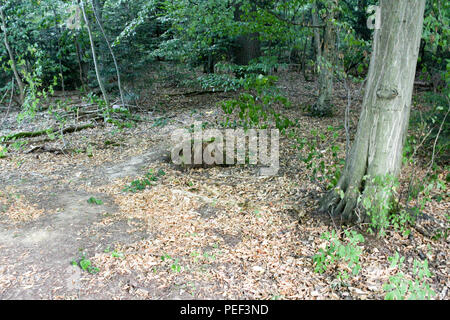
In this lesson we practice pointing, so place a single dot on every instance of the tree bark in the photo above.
(325, 61)
(382, 127)
(12, 58)
(248, 46)
(316, 22)
(80, 67)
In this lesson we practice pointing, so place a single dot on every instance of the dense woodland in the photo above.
(92, 207)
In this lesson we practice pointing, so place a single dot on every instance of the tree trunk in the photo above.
(382, 127)
(80, 67)
(248, 46)
(94, 56)
(361, 25)
(100, 24)
(316, 22)
(59, 47)
(325, 62)
(11, 57)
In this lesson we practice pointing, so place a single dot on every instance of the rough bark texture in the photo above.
(377, 149)
(325, 62)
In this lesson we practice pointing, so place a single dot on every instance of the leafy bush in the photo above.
(337, 251)
(220, 82)
(141, 184)
(255, 107)
(400, 288)
(433, 126)
(317, 148)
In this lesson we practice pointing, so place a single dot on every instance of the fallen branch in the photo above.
(195, 93)
(47, 149)
(31, 134)
(423, 84)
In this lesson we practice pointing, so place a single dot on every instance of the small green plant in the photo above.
(93, 200)
(18, 145)
(220, 82)
(86, 265)
(382, 206)
(160, 122)
(3, 151)
(378, 201)
(175, 266)
(148, 180)
(402, 221)
(35, 94)
(314, 152)
(401, 288)
(116, 254)
(337, 251)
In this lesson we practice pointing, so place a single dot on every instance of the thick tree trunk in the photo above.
(325, 62)
(361, 26)
(12, 58)
(377, 149)
(248, 46)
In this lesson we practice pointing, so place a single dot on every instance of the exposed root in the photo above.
(343, 206)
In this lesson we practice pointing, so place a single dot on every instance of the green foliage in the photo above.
(3, 151)
(320, 153)
(86, 264)
(34, 91)
(382, 206)
(93, 200)
(220, 82)
(160, 122)
(430, 127)
(174, 262)
(254, 108)
(116, 254)
(434, 59)
(400, 288)
(148, 180)
(337, 251)
(377, 201)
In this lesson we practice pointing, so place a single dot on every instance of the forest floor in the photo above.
(197, 233)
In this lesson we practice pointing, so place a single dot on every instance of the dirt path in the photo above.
(36, 255)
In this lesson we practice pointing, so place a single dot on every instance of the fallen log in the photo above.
(195, 93)
(31, 134)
